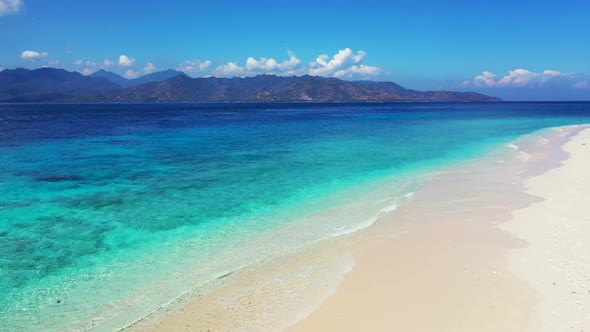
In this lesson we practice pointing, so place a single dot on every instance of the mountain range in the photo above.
(51, 85)
(126, 83)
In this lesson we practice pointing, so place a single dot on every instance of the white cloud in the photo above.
(261, 65)
(581, 85)
(87, 71)
(268, 66)
(8, 7)
(271, 66)
(514, 78)
(147, 69)
(485, 79)
(33, 55)
(194, 67)
(358, 71)
(125, 61)
(344, 64)
(230, 69)
(519, 78)
(552, 73)
(94, 64)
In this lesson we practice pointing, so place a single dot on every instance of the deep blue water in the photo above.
(109, 210)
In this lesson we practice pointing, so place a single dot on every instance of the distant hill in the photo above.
(270, 88)
(157, 76)
(126, 83)
(48, 84)
(112, 77)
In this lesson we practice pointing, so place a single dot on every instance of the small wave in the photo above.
(367, 223)
(354, 228)
(326, 289)
(371, 221)
(524, 156)
(388, 209)
(512, 146)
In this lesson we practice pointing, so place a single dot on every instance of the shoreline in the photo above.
(351, 262)
(487, 283)
(556, 262)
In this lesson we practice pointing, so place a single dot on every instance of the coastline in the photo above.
(432, 264)
(556, 261)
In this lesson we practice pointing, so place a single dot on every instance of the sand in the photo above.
(556, 262)
(530, 273)
(497, 244)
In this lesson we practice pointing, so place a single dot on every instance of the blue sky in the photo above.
(512, 49)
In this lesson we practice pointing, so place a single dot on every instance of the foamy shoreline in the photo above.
(433, 264)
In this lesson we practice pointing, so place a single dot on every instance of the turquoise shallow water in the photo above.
(109, 211)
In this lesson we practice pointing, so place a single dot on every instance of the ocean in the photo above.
(110, 211)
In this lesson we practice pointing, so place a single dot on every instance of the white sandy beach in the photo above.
(478, 248)
(556, 261)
